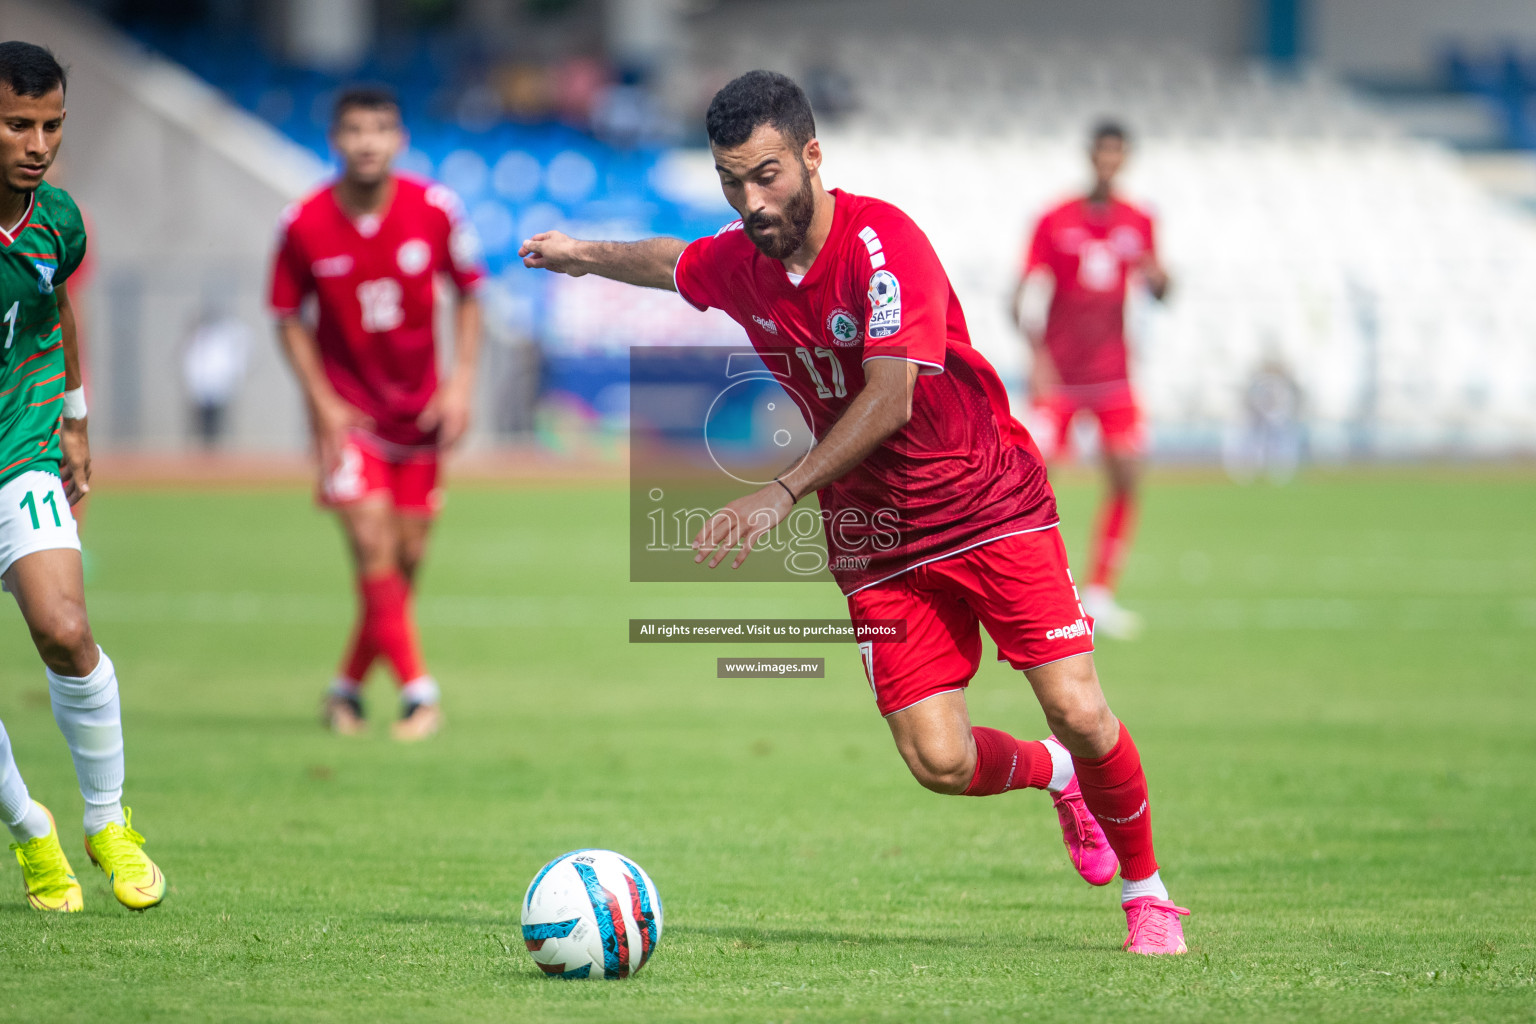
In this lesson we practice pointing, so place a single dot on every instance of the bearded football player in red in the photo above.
(369, 248)
(919, 430)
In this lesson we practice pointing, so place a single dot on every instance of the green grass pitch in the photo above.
(1334, 699)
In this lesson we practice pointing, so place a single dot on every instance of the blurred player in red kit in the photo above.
(1090, 248)
(370, 248)
(944, 518)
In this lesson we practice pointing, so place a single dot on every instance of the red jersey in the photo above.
(374, 281)
(963, 471)
(1090, 250)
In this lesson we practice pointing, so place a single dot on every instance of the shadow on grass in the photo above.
(507, 927)
(984, 944)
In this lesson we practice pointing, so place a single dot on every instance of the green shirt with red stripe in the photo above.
(36, 257)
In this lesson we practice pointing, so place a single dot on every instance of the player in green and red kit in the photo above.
(368, 249)
(45, 466)
(1092, 247)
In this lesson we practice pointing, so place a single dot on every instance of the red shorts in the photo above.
(370, 468)
(1018, 587)
(1112, 404)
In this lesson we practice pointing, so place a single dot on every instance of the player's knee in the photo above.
(942, 768)
(1124, 476)
(410, 556)
(1084, 725)
(375, 551)
(64, 640)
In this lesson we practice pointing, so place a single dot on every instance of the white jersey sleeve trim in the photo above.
(677, 286)
(925, 368)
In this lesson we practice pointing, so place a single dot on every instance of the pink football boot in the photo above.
(1085, 840)
(1155, 926)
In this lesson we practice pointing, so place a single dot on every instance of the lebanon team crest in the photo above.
(843, 328)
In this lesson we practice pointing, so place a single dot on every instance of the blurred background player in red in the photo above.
(1090, 247)
(370, 247)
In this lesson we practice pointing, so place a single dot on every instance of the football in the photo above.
(591, 914)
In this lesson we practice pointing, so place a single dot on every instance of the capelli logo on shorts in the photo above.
(1077, 629)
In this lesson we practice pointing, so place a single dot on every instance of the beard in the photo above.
(790, 228)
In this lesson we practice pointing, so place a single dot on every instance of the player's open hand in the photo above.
(1044, 381)
(332, 419)
(744, 521)
(553, 250)
(1153, 275)
(447, 412)
(74, 460)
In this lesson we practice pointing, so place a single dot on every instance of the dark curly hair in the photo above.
(758, 98)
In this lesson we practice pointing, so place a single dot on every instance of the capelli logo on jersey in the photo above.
(332, 266)
(765, 324)
(1077, 629)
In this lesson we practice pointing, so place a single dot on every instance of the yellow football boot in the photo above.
(118, 850)
(46, 875)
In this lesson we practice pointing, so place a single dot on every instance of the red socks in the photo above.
(361, 655)
(1111, 539)
(1115, 790)
(1004, 763)
(386, 628)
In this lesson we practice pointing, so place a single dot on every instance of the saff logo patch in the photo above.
(884, 304)
(44, 277)
(843, 328)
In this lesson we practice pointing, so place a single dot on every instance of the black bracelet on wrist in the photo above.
(781, 483)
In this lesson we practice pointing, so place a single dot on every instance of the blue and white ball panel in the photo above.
(591, 914)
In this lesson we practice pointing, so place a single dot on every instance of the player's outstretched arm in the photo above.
(883, 407)
(648, 262)
(74, 442)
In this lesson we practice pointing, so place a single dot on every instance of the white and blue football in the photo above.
(591, 914)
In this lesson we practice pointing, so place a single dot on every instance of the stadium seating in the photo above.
(1299, 224)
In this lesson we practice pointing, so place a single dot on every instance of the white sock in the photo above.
(1061, 765)
(21, 814)
(89, 715)
(421, 690)
(1152, 885)
(1098, 596)
(348, 688)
